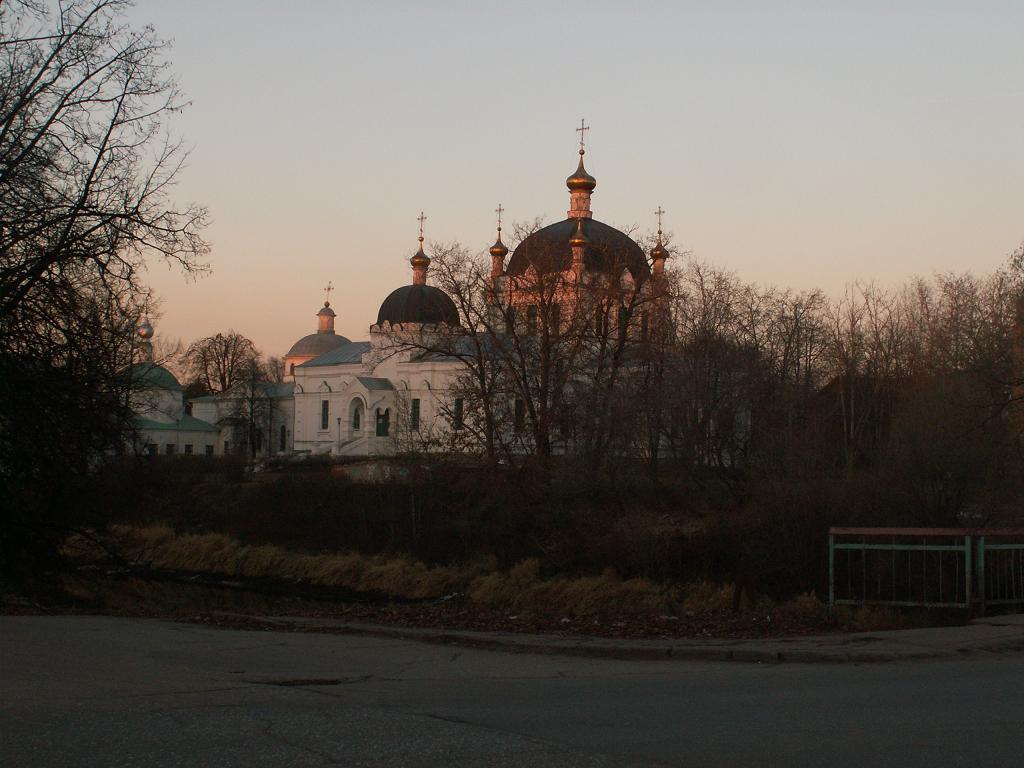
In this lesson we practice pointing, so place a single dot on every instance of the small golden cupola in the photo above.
(145, 331)
(325, 317)
(420, 261)
(498, 251)
(578, 242)
(579, 238)
(581, 181)
(659, 253)
(581, 184)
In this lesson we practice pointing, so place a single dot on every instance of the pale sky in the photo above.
(802, 144)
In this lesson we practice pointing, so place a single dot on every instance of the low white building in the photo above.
(162, 423)
(252, 420)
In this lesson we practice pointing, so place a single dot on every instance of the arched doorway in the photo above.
(383, 422)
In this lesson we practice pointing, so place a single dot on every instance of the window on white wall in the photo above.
(325, 414)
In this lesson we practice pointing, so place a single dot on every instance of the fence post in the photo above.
(981, 575)
(967, 572)
(831, 571)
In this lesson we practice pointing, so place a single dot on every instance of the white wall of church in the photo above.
(158, 404)
(338, 431)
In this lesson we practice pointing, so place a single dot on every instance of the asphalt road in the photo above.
(96, 691)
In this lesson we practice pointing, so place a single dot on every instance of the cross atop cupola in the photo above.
(582, 131)
(659, 253)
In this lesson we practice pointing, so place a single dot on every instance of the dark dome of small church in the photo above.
(316, 344)
(549, 250)
(418, 304)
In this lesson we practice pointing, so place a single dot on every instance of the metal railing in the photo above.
(1001, 567)
(926, 567)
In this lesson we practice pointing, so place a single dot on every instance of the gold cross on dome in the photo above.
(499, 210)
(327, 290)
(659, 213)
(421, 219)
(582, 131)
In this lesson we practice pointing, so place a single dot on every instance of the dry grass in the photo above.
(160, 547)
(706, 596)
(520, 589)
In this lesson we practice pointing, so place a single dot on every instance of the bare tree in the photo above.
(86, 165)
(86, 170)
(218, 363)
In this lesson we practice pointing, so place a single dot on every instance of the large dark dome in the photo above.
(418, 304)
(549, 250)
(316, 344)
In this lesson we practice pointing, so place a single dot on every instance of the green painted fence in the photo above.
(967, 568)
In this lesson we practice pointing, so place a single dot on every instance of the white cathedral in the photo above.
(347, 398)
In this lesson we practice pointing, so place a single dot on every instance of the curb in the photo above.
(758, 652)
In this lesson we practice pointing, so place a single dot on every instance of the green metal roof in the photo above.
(375, 382)
(185, 424)
(151, 376)
(347, 353)
(276, 390)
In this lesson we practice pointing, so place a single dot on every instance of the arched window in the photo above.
(383, 422)
(291, 369)
(356, 407)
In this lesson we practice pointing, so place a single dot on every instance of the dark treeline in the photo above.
(909, 399)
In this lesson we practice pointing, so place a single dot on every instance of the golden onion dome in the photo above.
(420, 259)
(499, 249)
(579, 239)
(581, 180)
(659, 251)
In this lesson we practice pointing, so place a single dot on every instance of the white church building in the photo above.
(352, 399)
(357, 398)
